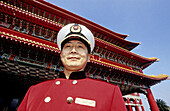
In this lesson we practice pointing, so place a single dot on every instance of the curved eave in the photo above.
(144, 76)
(159, 77)
(128, 45)
(152, 60)
(27, 39)
(124, 52)
(73, 17)
(131, 45)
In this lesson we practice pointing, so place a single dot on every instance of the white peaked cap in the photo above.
(72, 31)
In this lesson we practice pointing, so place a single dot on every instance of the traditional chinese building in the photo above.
(29, 53)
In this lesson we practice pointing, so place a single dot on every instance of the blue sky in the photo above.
(146, 21)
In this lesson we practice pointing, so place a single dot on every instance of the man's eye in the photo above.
(67, 46)
(80, 46)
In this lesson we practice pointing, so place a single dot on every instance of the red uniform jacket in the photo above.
(73, 95)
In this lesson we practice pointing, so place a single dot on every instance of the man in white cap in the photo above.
(72, 91)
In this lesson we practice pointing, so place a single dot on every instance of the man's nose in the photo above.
(73, 50)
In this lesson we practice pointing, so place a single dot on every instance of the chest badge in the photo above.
(85, 102)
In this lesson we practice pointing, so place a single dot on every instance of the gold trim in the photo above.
(29, 41)
(35, 15)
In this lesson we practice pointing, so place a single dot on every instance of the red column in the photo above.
(129, 106)
(141, 105)
(137, 107)
(151, 101)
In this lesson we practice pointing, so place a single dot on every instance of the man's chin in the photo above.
(74, 66)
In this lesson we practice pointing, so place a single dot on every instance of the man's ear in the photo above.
(88, 58)
(60, 56)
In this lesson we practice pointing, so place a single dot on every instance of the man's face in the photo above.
(74, 55)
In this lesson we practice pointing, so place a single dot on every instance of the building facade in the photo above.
(29, 54)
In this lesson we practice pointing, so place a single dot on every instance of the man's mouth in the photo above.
(73, 58)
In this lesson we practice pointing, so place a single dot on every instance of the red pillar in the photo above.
(141, 105)
(151, 101)
(129, 106)
(137, 107)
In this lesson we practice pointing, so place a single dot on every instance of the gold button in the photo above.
(69, 100)
(47, 99)
(75, 82)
